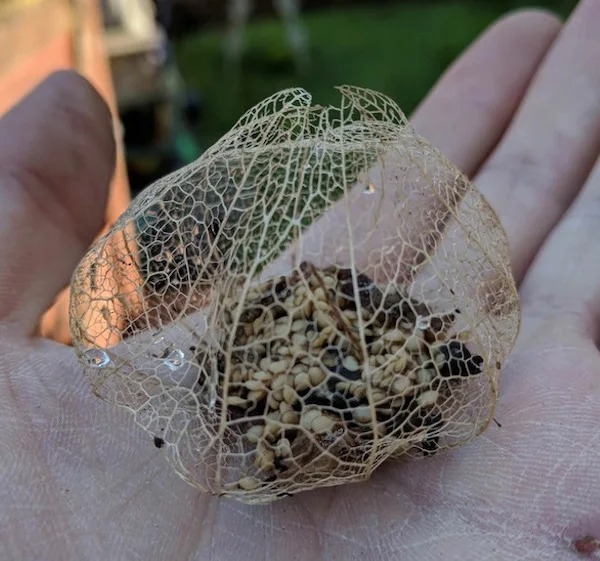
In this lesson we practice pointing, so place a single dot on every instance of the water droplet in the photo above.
(422, 322)
(96, 358)
(370, 189)
(307, 167)
(174, 360)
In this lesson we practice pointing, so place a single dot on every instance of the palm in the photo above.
(83, 483)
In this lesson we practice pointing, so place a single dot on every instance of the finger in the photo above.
(564, 281)
(542, 161)
(467, 112)
(56, 160)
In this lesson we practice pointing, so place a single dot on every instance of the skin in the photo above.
(520, 113)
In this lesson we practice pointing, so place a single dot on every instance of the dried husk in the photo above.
(321, 291)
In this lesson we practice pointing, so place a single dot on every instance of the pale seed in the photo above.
(308, 417)
(322, 424)
(302, 381)
(316, 375)
(262, 376)
(300, 340)
(279, 382)
(254, 385)
(278, 366)
(427, 398)
(350, 363)
(235, 400)
(400, 384)
(395, 335)
(248, 483)
(254, 433)
(400, 363)
(257, 395)
(299, 325)
(413, 343)
(424, 376)
(290, 418)
(362, 414)
(289, 395)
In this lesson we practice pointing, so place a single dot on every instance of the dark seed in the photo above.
(459, 360)
(158, 442)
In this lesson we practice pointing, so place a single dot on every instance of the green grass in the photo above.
(397, 49)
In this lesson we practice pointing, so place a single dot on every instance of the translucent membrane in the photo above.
(320, 291)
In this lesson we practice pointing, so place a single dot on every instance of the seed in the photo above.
(308, 417)
(342, 387)
(278, 382)
(257, 395)
(281, 330)
(395, 335)
(381, 430)
(262, 376)
(271, 429)
(290, 418)
(289, 395)
(377, 377)
(440, 359)
(278, 396)
(319, 293)
(236, 400)
(272, 402)
(316, 375)
(427, 398)
(264, 363)
(424, 376)
(323, 336)
(362, 414)
(330, 359)
(254, 433)
(308, 308)
(302, 381)
(413, 343)
(254, 385)
(265, 461)
(248, 483)
(323, 320)
(378, 396)
(350, 363)
(351, 315)
(400, 384)
(283, 448)
(358, 389)
(400, 363)
(300, 340)
(322, 424)
(377, 347)
(284, 407)
(284, 350)
(299, 325)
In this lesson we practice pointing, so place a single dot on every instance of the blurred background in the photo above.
(180, 72)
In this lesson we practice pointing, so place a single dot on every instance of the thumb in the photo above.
(57, 155)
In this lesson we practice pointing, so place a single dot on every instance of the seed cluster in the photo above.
(324, 365)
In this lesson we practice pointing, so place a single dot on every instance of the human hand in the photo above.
(80, 482)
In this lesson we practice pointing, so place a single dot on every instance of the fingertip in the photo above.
(528, 25)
